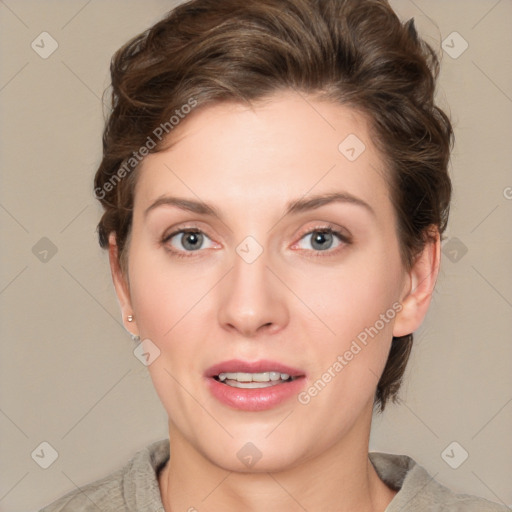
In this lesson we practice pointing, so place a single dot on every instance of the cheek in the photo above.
(164, 293)
(169, 302)
(355, 309)
(345, 301)
(345, 368)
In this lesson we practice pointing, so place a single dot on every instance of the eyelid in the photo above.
(176, 230)
(340, 231)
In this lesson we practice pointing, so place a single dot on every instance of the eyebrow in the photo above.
(293, 207)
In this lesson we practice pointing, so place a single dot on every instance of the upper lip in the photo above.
(260, 366)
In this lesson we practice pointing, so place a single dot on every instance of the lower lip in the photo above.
(255, 399)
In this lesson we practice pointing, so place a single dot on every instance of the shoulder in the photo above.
(105, 494)
(132, 487)
(419, 491)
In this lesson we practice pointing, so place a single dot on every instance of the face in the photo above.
(262, 246)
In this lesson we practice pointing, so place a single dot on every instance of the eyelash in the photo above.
(344, 239)
(325, 229)
(180, 254)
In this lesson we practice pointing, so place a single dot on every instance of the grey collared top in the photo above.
(134, 488)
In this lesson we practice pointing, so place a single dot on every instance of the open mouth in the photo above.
(253, 380)
(254, 386)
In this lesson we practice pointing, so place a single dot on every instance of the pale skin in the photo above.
(296, 303)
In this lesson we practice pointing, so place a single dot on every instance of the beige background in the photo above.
(68, 375)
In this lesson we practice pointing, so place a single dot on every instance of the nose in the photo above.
(253, 299)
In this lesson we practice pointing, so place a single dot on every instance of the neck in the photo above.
(341, 478)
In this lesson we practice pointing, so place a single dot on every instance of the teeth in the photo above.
(260, 377)
(253, 377)
(250, 385)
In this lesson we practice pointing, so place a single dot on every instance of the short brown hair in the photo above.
(354, 52)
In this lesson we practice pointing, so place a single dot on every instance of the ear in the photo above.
(121, 286)
(419, 287)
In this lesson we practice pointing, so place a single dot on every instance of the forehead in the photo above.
(278, 149)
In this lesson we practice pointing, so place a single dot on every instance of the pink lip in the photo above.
(255, 399)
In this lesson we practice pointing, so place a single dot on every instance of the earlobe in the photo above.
(421, 283)
(121, 286)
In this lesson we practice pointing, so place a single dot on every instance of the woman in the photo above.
(275, 187)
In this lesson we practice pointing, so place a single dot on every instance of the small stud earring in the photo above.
(130, 318)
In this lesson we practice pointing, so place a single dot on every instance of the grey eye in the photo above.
(321, 240)
(188, 240)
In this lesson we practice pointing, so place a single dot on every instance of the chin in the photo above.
(251, 459)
